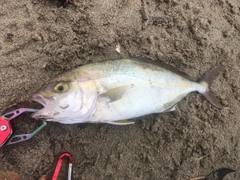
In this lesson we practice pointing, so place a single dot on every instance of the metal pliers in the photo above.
(6, 131)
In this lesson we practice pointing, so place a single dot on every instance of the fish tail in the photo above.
(206, 83)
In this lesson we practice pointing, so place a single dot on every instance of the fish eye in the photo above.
(61, 87)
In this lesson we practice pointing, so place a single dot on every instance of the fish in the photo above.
(114, 91)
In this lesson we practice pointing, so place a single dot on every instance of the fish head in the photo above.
(66, 102)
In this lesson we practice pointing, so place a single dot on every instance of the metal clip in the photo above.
(6, 129)
(59, 164)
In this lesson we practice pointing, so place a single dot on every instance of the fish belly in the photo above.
(139, 101)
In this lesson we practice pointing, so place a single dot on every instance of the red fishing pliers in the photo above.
(6, 131)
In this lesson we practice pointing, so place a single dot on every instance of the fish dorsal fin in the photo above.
(161, 64)
(115, 94)
(121, 122)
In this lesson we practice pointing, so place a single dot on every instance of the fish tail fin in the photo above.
(206, 83)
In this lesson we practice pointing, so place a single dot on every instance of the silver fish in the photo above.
(116, 90)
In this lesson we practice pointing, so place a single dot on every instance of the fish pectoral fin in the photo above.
(115, 94)
(121, 122)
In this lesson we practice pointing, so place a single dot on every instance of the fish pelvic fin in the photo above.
(206, 83)
(121, 122)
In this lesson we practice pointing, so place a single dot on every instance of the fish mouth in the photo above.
(45, 112)
(39, 99)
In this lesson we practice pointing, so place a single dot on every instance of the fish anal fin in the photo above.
(115, 94)
(172, 108)
(121, 122)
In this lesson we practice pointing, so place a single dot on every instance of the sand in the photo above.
(39, 40)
